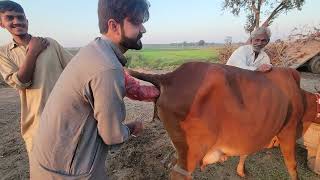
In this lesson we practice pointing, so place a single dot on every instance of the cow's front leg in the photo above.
(180, 170)
(180, 173)
(187, 160)
(240, 167)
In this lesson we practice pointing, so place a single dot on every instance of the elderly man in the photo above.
(252, 56)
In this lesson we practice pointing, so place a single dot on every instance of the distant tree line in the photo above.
(200, 43)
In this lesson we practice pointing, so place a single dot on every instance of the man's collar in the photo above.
(13, 45)
(119, 54)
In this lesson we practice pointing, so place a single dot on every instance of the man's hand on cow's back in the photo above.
(136, 127)
(264, 68)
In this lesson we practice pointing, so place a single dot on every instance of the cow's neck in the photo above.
(311, 110)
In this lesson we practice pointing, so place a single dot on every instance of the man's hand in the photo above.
(37, 45)
(135, 127)
(264, 68)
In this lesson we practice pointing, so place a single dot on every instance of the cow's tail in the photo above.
(155, 79)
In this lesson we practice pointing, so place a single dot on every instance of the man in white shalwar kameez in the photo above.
(252, 57)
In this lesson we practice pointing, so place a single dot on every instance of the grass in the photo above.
(169, 58)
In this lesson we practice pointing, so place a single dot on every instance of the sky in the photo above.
(74, 23)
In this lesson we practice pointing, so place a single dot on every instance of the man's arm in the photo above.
(9, 71)
(108, 107)
(20, 77)
(35, 47)
(239, 59)
(266, 65)
(135, 91)
(266, 58)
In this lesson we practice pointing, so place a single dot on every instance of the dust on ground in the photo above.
(140, 157)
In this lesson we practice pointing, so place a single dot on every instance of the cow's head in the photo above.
(311, 107)
(317, 117)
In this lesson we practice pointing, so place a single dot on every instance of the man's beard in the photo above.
(130, 43)
(257, 48)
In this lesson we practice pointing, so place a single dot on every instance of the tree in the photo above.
(255, 8)
(228, 40)
(201, 43)
(184, 44)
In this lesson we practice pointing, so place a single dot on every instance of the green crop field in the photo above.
(166, 57)
(169, 58)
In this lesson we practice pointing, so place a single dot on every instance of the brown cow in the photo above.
(211, 111)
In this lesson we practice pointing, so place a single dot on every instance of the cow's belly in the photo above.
(246, 127)
(244, 132)
(245, 141)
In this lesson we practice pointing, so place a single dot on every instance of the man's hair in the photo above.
(10, 6)
(135, 10)
(261, 30)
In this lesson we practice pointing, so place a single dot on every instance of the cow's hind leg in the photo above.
(288, 151)
(287, 145)
(183, 168)
(240, 167)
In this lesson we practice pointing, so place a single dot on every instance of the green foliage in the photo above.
(255, 8)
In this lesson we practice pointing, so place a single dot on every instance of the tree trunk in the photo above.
(274, 13)
(257, 14)
(257, 19)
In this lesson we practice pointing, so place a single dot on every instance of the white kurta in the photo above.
(243, 57)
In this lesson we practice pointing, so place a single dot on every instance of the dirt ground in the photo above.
(140, 158)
